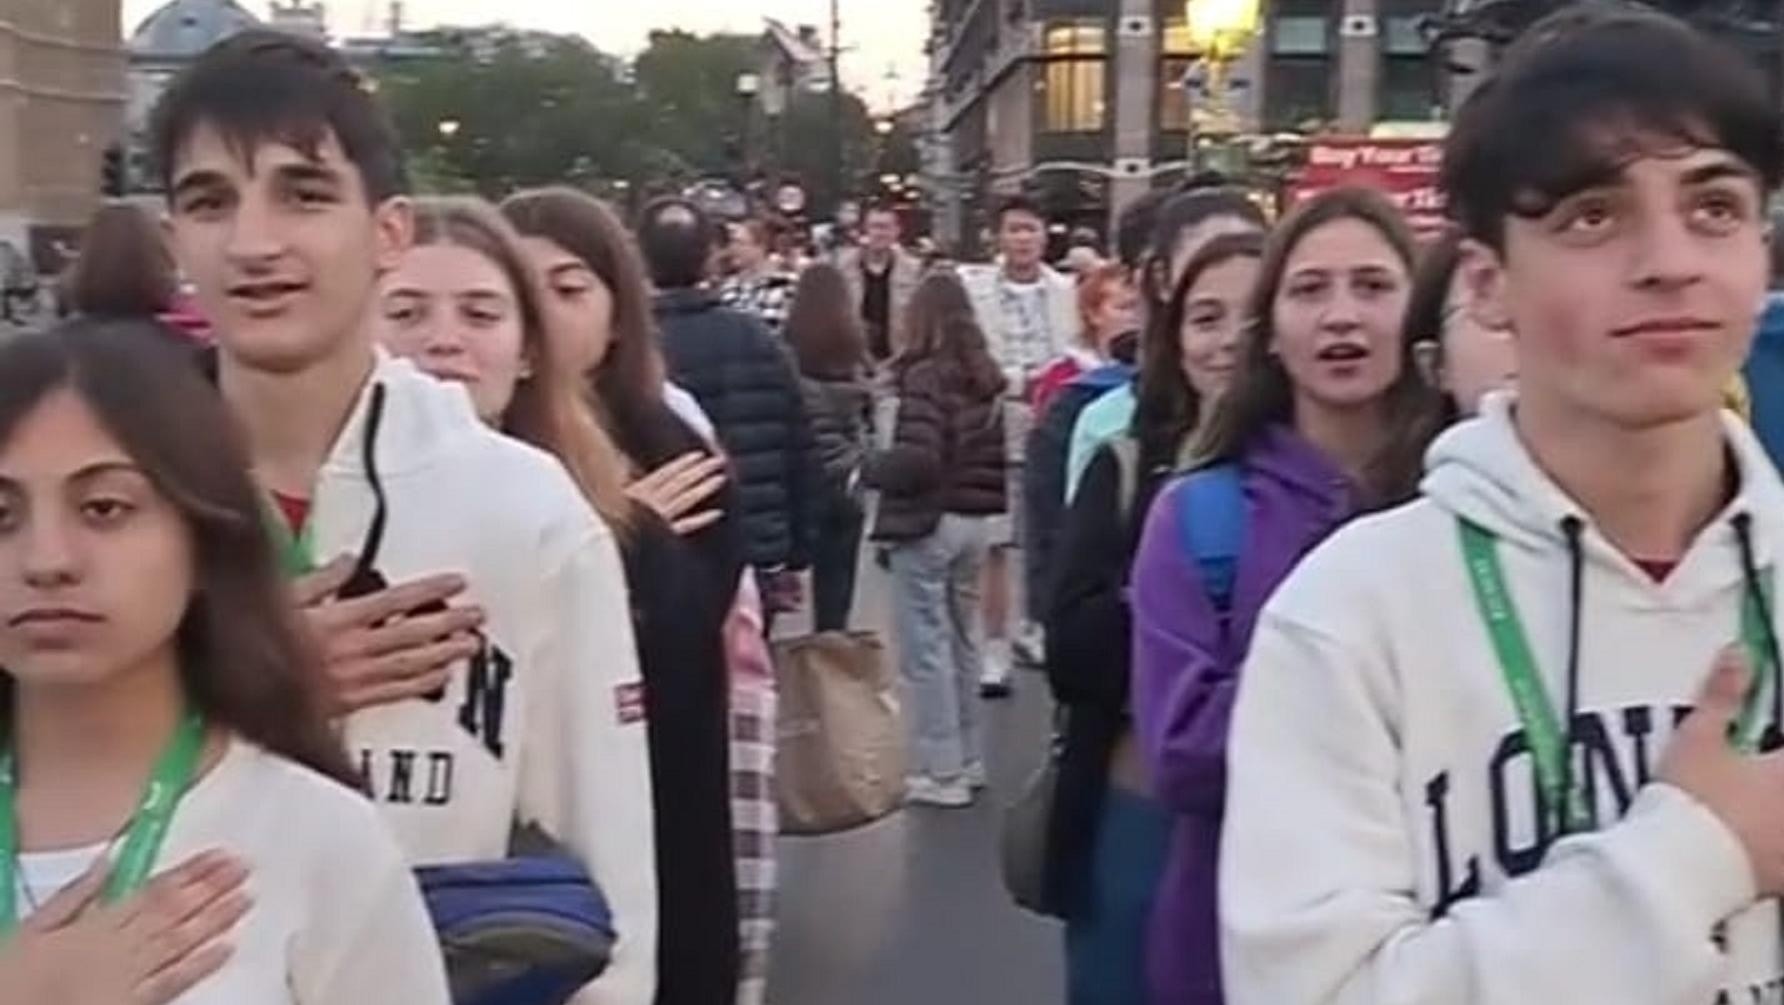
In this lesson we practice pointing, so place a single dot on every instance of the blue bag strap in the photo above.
(1211, 525)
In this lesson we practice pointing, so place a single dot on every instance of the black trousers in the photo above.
(836, 555)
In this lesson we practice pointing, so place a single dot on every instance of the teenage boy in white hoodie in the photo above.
(1399, 828)
(285, 199)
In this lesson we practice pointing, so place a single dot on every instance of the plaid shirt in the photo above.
(768, 297)
(755, 816)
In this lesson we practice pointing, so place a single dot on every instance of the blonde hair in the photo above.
(550, 408)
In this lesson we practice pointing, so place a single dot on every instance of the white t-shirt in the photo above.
(336, 919)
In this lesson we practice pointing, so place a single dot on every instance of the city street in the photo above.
(912, 910)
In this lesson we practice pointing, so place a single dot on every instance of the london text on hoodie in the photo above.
(1382, 840)
(545, 724)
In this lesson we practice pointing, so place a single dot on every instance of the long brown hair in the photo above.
(549, 408)
(628, 383)
(125, 269)
(823, 327)
(1262, 394)
(939, 324)
(1168, 407)
(244, 663)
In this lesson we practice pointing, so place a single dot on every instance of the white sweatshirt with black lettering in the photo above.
(545, 725)
(1382, 841)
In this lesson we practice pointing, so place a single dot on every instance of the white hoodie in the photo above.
(546, 726)
(1382, 796)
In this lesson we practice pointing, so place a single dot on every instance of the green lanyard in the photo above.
(297, 552)
(168, 781)
(1560, 795)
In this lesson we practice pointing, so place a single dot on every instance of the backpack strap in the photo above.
(1211, 525)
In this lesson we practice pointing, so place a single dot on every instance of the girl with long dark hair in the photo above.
(825, 333)
(1327, 417)
(1108, 833)
(157, 698)
(941, 482)
(464, 305)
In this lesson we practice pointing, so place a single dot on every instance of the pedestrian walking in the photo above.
(827, 343)
(522, 703)
(941, 484)
(745, 380)
(758, 285)
(1183, 225)
(881, 275)
(1109, 834)
(465, 306)
(1103, 361)
(1028, 313)
(598, 308)
(145, 634)
(1590, 560)
(1327, 416)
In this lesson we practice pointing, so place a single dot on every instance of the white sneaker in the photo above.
(1030, 645)
(925, 791)
(975, 776)
(994, 672)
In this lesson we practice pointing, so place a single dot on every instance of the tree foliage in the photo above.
(526, 113)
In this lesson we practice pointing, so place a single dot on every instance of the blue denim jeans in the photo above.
(936, 623)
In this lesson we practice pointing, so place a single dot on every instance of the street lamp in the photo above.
(883, 126)
(748, 86)
(449, 128)
(1219, 30)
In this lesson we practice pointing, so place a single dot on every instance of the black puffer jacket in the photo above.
(947, 453)
(840, 412)
(746, 382)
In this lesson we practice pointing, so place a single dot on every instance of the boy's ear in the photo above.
(1482, 270)
(394, 221)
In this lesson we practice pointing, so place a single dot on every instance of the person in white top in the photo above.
(157, 699)
(147, 949)
(1465, 767)
(285, 206)
(1029, 313)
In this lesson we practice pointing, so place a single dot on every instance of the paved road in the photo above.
(911, 911)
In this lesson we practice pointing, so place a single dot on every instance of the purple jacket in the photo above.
(1186, 675)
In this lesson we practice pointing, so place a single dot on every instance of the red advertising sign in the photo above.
(1403, 169)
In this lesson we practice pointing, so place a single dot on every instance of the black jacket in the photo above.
(841, 412)
(1089, 658)
(678, 614)
(947, 453)
(1043, 481)
(746, 382)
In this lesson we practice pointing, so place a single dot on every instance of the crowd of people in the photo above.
(1407, 601)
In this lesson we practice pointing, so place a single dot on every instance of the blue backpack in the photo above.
(1211, 527)
(527, 930)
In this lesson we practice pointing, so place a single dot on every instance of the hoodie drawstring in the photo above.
(366, 579)
(1755, 595)
(1573, 527)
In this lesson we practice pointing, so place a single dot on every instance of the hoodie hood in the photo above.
(1482, 472)
(1280, 454)
(409, 420)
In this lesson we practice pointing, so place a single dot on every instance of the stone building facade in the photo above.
(62, 97)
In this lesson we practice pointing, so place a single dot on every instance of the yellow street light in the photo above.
(1219, 29)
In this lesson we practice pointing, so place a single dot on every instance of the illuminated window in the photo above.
(1176, 57)
(1412, 80)
(1073, 78)
(1075, 39)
